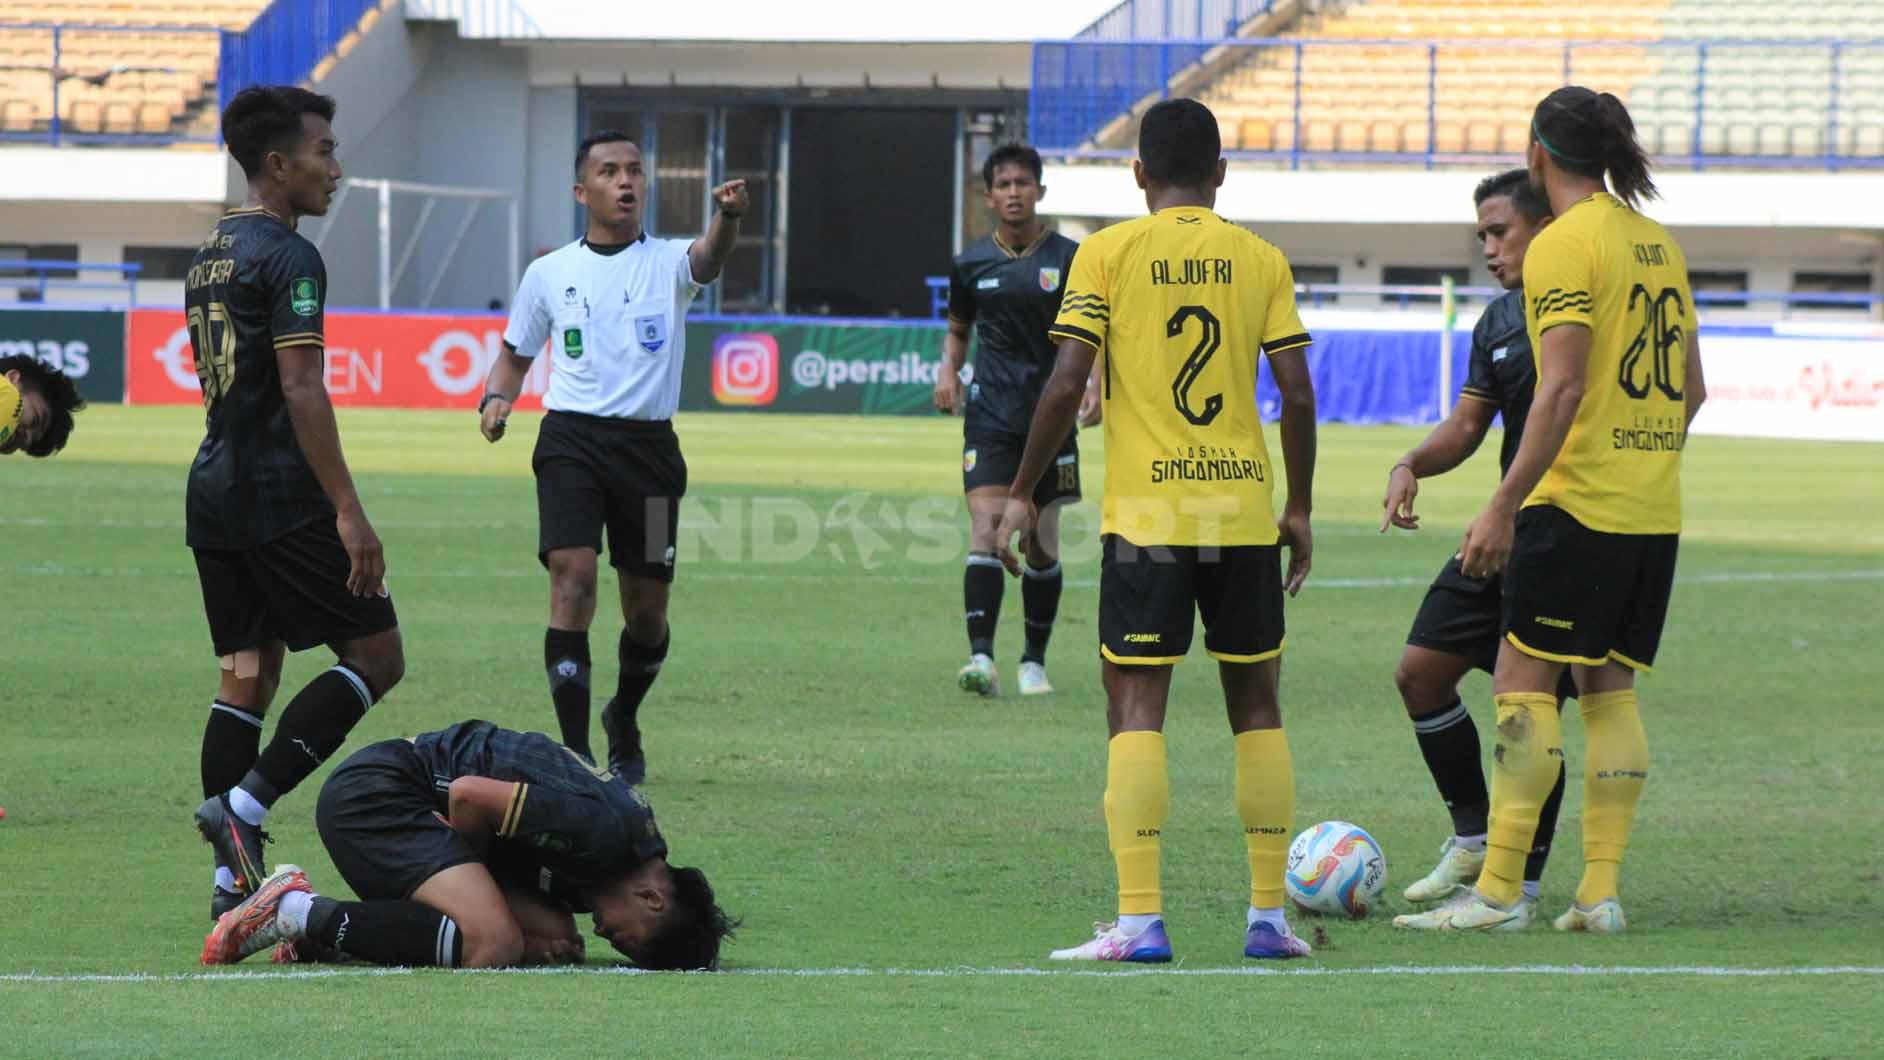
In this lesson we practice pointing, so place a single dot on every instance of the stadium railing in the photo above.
(1175, 19)
(38, 274)
(287, 41)
(20, 103)
(1083, 87)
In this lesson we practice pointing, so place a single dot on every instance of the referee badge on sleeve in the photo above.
(651, 331)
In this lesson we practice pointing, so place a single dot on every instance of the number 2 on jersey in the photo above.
(1207, 344)
(213, 341)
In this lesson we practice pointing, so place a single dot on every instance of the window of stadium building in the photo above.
(1422, 276)
(1838, 283)
(160, 263)
(1732, 281)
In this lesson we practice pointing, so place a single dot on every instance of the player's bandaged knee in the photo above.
(246, 664)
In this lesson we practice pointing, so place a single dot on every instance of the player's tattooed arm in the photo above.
(708, 253)
(304, 389)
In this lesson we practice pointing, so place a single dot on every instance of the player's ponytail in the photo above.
(1589, 134)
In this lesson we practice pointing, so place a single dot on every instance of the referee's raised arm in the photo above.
(708, 254)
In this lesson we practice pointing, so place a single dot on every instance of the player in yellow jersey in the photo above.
(36, 406)
(1179, 305)
(1586, 522)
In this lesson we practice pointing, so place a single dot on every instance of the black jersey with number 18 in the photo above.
(255, 287)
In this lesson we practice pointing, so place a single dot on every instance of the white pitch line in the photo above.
(1693, 971)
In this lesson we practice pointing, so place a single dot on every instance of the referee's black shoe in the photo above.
(624, 746)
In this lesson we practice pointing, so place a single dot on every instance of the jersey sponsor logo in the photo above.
(569, 296)
(651, 331)
(968, 460)
(1555, 623)
(987, 283)
(304, 297)
(1050, 279)
(745, 368)
(1143, 638)
(572, 343)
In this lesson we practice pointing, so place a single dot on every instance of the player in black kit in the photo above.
(473, 847)
(1460, 624)
(284, 551)
(1007, 287)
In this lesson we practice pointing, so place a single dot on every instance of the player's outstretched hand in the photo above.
(1293, 531)
(496, 415)
(1017, 517)
(1397, 508)
(948, 392)
(365, 557)
(731, 198)
(1487, 546)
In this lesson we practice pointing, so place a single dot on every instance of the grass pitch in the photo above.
(903, 855)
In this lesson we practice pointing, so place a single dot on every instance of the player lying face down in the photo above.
(477, 847)
(36, 406)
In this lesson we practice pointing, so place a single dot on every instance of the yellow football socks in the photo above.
(1524, 769)
(1138, 798)
(1613, 777)
(1265, 799)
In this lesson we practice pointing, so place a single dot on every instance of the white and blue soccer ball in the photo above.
(1336, 869)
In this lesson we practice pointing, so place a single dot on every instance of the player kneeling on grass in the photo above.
(36, 406)
(473, 847)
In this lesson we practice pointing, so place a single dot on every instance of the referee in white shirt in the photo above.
(612, 307)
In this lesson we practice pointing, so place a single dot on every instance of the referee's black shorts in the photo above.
(602, 472)
(379, 818)
(292, 589)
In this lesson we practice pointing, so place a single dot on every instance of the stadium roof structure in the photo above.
(816, 21)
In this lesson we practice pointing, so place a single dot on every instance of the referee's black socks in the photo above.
(566, 658)
(1449, 742)
(640, 665)
(1040, 605)
(983, 582)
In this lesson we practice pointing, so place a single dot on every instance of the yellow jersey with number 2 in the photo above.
(1179, 304)
(1614, 271)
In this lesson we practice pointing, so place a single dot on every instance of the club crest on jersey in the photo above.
(1049, 279)
(968, 460)
(304, 297)
(651, 332)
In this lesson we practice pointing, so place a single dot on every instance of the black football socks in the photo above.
(983, 581)
(1040, 605)
(1449, 742)
(313, 727)
(1546, 828)
(566, 658)
(390, 932)
(231, 740)
(640, 665)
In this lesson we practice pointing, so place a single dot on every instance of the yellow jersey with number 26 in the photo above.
(1179, 304)
(1614, 271)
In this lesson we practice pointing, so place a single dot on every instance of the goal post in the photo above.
(472, 202)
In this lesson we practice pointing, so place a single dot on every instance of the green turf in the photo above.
(808, 749)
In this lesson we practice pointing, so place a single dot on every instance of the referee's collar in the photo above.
(611, 249)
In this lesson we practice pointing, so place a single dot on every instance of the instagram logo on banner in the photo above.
(745, 368)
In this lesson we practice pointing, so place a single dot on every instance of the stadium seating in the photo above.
(147, 81)
(1471, 90)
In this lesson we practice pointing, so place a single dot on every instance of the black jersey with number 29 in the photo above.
(254, 288)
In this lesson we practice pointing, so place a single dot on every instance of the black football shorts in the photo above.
(625, 476)
(1576, 595)
(292, 589)
(1150, 598)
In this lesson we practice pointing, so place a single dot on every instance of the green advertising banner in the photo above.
(801, 364)
(86, 344)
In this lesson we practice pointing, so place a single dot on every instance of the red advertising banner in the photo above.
(405, 360)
